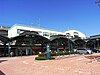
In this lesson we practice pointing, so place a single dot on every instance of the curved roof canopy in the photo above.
(64, 38)
(74, 33)
(31, 35)
(79, 41)
(4, 39)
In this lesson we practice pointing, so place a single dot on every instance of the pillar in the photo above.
(27, 52)
(16, 52)
(57, 50)
(9, 49)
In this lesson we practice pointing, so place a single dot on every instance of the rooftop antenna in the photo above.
(39, 22)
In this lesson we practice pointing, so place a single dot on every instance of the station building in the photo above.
(27, 40)
(16, 29)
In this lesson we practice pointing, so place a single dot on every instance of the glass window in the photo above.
(76, 33)
(68, 34)
(18, 31)
(51, 34)
(45, 34)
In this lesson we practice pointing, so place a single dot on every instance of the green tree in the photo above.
(98, 2)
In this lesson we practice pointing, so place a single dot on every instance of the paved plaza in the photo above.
(65, 65)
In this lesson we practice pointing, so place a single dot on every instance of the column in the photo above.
(27, 52)
(9, 49)
(57, 50)
(16, 52)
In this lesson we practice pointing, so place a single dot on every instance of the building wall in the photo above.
(12, 32)
(15, 31)
(4, 30)
(75, 32)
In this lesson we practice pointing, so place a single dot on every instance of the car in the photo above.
(84, 51)
(95, 51)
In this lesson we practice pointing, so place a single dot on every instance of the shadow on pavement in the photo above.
(2, 61)
(1, 73)
(95, 57)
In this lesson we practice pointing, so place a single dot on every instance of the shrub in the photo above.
(43, 57)
(53, 54)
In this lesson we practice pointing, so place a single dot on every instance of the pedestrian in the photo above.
(11, 54)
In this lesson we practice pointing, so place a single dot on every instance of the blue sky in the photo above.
(61, 15)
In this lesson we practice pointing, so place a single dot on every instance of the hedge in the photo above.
(43, 58)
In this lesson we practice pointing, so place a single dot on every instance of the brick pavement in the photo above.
(26, 65)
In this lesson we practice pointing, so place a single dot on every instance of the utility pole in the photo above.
(39, 22)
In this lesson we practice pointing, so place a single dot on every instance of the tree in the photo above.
(98, 2)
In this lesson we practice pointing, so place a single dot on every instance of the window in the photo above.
(51, 34)
(68, 34)
(18, 31)
(45, 34)
(76, 35)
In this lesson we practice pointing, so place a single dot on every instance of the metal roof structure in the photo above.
(4, 39)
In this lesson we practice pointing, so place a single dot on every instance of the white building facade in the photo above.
(16, 29)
